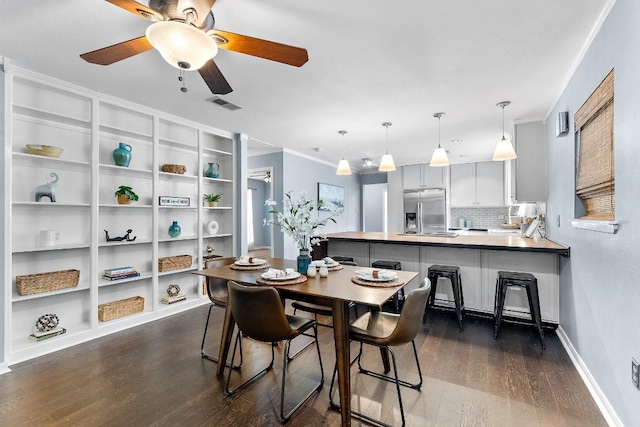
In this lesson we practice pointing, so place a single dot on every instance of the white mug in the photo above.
(49, 237)
(324, 271)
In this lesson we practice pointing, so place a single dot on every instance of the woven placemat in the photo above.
(249, 267)
(391, 284)
(335, 268)
(300, 279)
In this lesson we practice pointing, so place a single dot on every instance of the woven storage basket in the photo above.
(171, 263)
(46, 282)
(121, 308)
(44, 150)
(174, 168)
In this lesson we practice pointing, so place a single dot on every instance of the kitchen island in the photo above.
(479, 257)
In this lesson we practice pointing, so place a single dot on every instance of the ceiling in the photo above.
(370, 61)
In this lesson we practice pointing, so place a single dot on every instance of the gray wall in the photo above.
(372, 206)
(295, 173)
(600, 283)
(530, 166)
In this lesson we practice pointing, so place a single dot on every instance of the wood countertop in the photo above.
(489, 241)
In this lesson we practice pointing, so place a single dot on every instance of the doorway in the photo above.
(259, 236)
(374, 207)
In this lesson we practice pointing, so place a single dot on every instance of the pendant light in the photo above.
(386, 163)
(504, 149)
(343, 166)
(439, 157)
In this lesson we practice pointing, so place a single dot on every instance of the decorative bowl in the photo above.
(179, 169)
(44, 150)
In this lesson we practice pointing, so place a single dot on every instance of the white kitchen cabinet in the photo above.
(422, 175)
(477, 184)
(89, 126)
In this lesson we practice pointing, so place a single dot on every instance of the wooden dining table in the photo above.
(335, 291)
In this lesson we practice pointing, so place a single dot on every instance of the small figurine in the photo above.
(173, 290)
(126, 237)
(48, 189)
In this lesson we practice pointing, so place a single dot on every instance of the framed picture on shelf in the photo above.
(332, 197)
(183, 202)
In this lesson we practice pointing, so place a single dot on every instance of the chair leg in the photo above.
(502, 296)
(534, 308)
(260, 373)
(455, 286)
(210, 357)
(304, 347)
(415, 386)
(285, 417)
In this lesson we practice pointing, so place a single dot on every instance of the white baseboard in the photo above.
(4, 368)
(601, 400)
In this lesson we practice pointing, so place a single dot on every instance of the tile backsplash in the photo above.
(480, 217)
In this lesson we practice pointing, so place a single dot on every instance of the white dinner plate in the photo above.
(246, 263)
(367, 275)
(289, 276)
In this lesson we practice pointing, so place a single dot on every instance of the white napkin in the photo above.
(385, 274)
(251, 260)
(329, 261)
(324, 261)
(274, 273)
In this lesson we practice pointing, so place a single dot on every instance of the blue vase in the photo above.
(304, 259)
(174, 229)
(122, 155)
(212, 171)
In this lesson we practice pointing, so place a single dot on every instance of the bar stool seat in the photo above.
(527, 281)
(452, 273)
(391, 265)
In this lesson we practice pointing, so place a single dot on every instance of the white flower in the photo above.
(295, 220)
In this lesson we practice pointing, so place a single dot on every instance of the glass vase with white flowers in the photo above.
(297, 220)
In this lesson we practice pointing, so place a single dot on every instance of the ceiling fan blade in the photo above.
(272, 51)
(138, 9)
(214, 79)
(117, 52)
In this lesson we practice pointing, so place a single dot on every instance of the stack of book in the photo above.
(41, 336)
(174, 299)
(120, 273)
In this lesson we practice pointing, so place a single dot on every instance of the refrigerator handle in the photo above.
(420, 225)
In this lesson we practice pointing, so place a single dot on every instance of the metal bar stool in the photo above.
(391, 265)
(453, 274)
(527, 281)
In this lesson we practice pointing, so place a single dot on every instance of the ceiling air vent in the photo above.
(223, 103)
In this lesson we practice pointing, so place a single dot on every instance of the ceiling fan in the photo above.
(183, 33)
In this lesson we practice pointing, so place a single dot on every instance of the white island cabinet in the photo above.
(88, 126)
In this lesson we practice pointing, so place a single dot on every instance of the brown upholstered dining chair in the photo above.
(259, 314)
(219, 296)
(386, 330)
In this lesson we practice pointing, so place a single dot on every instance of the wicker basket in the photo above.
(44, 150)
(180, 169)
(171, 263)
(121, 308)
(47, 282)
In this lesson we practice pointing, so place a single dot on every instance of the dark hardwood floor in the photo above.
(153, 375)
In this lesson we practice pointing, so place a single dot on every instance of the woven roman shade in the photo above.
(595, 183)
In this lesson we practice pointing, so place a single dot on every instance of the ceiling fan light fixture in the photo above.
(386, 163)
(439, 157)
(181, 44)
(504, 149)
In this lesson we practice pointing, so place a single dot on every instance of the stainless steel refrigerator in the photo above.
(425, 211)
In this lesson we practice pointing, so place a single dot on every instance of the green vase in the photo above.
(174, 229)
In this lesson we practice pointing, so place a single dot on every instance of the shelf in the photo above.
(23, 343)
(143, 276)
(36, 160)
(217, 180)
(213, 151)
(124, 134)
(216, 236)
(219, 208)
(24, 112)
(120, 170)
(175, 239)
(178, 207)
(124, 243)
(57, 247)
(52, 204)
(177, 144)
(22, 298)
(125, 319)
(183, 270)
(176, 176)
(117, 206)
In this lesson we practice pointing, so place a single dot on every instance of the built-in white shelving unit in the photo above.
(89, 126)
